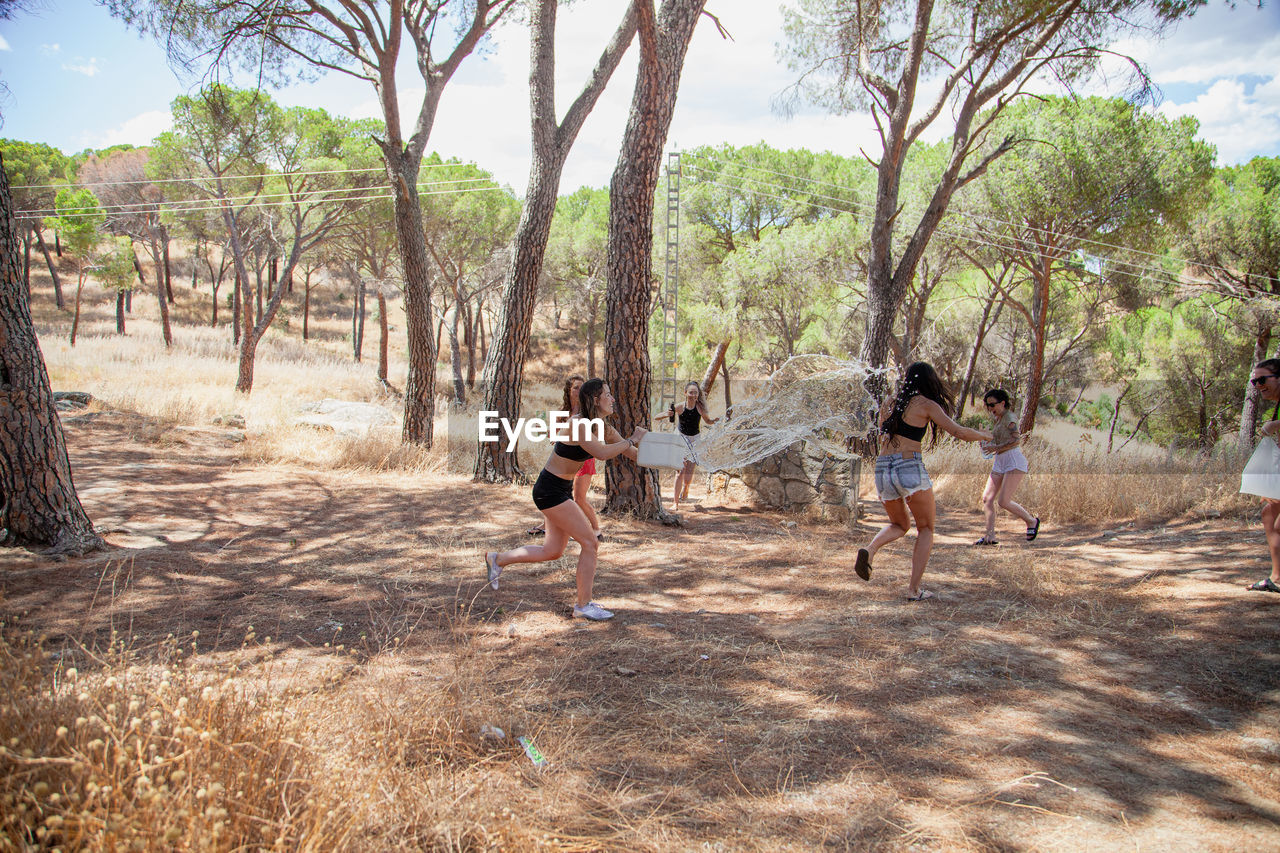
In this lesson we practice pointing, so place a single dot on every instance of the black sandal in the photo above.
(862, 565)
(1265, 585)
(539, 530)
(986, 540)
(1033, 531)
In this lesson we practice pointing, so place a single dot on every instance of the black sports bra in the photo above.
(912, 433)
(571, 451)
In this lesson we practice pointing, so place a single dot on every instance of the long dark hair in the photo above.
(568, 391)
(919, 380)
(701, 405)
(588, 394)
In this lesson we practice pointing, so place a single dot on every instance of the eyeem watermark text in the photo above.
(557, 427)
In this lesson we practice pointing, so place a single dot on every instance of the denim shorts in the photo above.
(899, 475)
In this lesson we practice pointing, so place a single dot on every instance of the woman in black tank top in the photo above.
(553, 496)
(902, 483)
(688, 416)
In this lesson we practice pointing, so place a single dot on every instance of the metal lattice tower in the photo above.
(668, 383)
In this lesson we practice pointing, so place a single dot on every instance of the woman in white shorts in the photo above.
(1008, 468)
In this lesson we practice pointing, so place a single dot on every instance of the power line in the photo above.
(197, 178)
(381, 194)
(214, 202)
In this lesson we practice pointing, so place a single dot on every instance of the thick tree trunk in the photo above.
(628, 296)
(38, 501)
(420, 387)
(383, 335)
(717, 359)
(53, 270)
(504, 364)
(120, 312)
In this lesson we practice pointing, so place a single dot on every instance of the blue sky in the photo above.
(78, 79)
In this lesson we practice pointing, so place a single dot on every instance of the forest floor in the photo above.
(1100, 689)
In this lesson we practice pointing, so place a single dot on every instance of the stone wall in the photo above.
(805, 478)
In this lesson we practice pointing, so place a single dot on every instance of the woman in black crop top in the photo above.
(553, 496)
(902, 483)
(688, 416)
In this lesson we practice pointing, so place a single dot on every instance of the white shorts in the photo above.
(1010, 460)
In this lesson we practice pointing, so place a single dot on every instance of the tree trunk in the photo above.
(236, 310)
(53, 270)
(162, 285)
(26, 261)
(306, 305)
(983, 328)
(455, 357)
(420, 386)
(470, 340)
(57, 244)
(120, 312)
(504, 365)
(717, 359)
(38, 501)
(1035, 365)
(168, 273)
(663, 43)
(128, 301)
(728, 395)
(75, 318)
(1249, 415)
(137, 266)
(383, 335)
(357, 320)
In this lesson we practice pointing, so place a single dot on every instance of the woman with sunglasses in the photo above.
(902, 483)
(1266, 378)
(1008, 468)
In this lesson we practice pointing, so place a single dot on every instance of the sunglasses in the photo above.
(1261, 380)
(991, 405)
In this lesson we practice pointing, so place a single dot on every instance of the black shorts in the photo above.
(551, 490)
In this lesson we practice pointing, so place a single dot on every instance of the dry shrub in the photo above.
(135, 755)
(127, 758)
(1092, 486)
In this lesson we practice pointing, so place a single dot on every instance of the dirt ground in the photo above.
(1102, 689)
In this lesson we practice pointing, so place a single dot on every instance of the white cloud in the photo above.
(139, 130)
(88, 69)
(4, 45)
(51, 49)
(1241, 126)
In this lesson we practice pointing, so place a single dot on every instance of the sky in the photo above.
(77, 78)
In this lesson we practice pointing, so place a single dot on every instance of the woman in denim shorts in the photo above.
(1007, 469)
(902, 483)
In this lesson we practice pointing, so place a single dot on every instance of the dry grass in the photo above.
(1109, 688)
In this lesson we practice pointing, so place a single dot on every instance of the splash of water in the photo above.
(812, 398)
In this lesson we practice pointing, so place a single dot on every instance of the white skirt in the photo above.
(1010, 460)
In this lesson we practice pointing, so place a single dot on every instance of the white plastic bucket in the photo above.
(1261, 474)
(662, 450)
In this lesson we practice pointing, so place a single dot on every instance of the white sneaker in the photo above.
(494, 569)
(592, 611)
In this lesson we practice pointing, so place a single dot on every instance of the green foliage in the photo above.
(115, 265)
(1235, 237)
(35, 171)
(78, 221)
